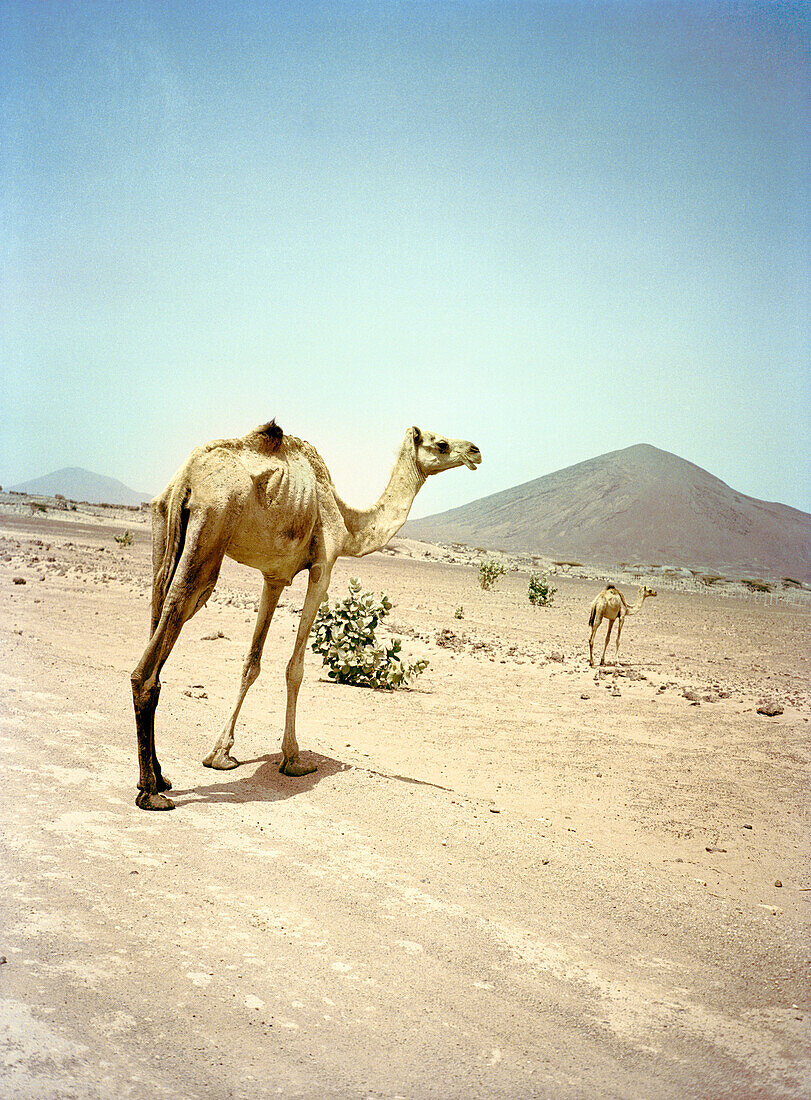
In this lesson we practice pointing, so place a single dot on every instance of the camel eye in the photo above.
(442, 447)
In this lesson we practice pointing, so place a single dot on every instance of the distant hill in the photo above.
(639, 504)
(77, 484)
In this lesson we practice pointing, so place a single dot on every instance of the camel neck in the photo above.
(635, 607)
(370, 528)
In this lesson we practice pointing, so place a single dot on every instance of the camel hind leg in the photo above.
(607, 637)
(597, 621)
(193, 582)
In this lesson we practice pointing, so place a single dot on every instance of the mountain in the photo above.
(77, 484)
(639, 504)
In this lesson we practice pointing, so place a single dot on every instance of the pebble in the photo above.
(778, 883)
(19, 580)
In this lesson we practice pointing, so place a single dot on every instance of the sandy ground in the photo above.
(521, 878)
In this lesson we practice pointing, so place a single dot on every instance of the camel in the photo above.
(611, 605)
(266, 500)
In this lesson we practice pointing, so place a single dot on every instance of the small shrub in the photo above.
(790, 582)
(36, 507)
(541, 592)
(459, 613)
(344, 636)
(756, 585)
(125, 539)
(489, 572)
(710, 578)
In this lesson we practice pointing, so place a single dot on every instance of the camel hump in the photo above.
(612, 586)
(269, 436)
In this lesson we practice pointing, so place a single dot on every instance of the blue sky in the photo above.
(554, 229)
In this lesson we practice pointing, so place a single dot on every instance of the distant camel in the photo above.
(611, 605)
(265, 500)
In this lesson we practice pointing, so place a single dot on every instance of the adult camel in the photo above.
(611, 605)
(266, 500)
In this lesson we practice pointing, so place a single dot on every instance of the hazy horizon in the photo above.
(554, 229)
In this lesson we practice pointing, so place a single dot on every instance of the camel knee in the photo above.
(294, 674)
(145, 691)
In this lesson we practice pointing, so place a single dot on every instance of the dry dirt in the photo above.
(521, 878)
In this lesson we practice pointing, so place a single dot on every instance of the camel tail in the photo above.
(593, 614)
(170, 517)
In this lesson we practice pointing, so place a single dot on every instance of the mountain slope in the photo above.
(638, 504)
(77, 484)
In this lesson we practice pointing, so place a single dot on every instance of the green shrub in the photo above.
(125, 539)
(344, 636)
(541, 592)
(489, 572)
(459, 613)
(710, 578)
(36, 507)
(790, 582)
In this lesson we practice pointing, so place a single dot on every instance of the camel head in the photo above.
(435, 453)
(645, 591)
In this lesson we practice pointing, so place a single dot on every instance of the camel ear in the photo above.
(416, 435)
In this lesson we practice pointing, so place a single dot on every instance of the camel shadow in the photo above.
(265, 784)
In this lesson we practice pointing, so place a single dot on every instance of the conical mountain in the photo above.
(76, 483)
(639, 504)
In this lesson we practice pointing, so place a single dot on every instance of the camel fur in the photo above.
(611, 605)
(266, 500)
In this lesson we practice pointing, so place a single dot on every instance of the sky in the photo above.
(554, 229)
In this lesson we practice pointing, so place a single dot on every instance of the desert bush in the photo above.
(756, 585)
(710, 578)
(344, 636)
(125, 539)
(541, 592)
(36, 507)
(489, 572)
(459, 613)
(790, 582)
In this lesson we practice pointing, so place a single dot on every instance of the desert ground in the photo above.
(522, 877)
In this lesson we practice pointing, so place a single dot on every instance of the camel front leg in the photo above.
(619, 631)
(607, 637)
(316, 590)
(220, 756)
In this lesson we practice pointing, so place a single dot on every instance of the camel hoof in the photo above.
(220, 761)
(154, 801)
(296, 768)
